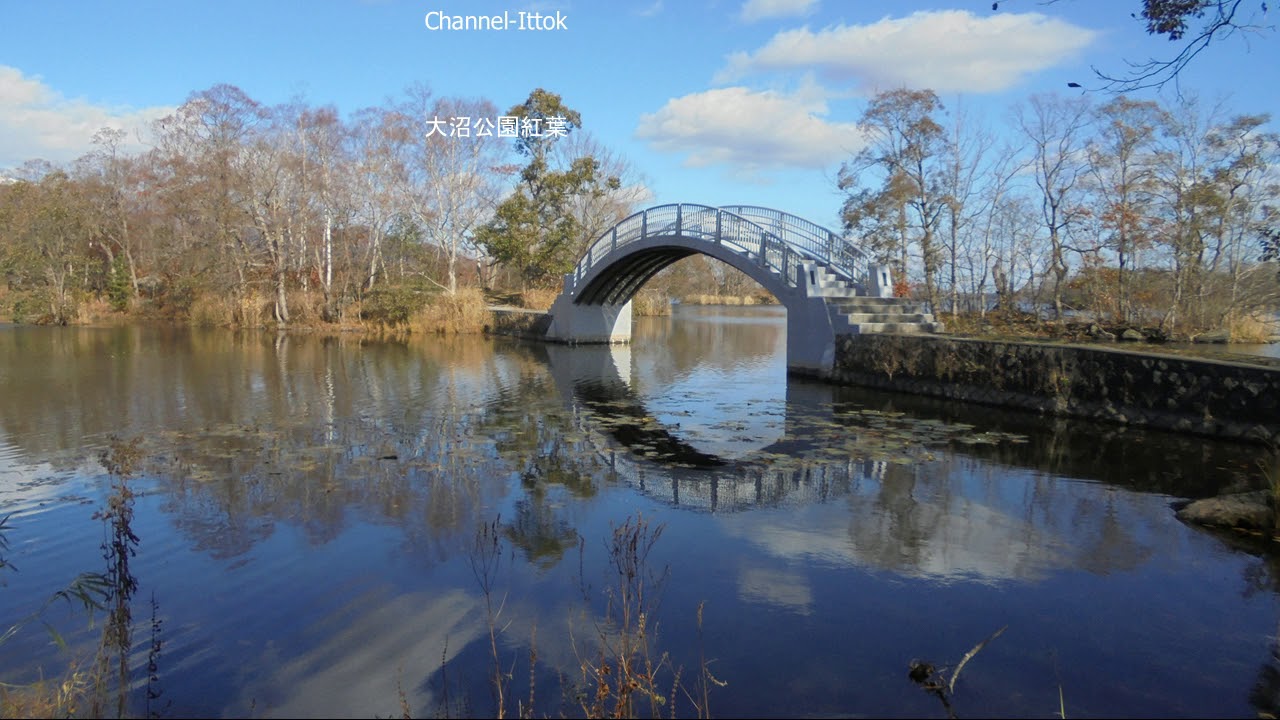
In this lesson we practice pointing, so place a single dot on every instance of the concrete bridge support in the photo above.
(811, 339)
(582, 323)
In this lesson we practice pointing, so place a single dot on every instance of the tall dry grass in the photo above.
(251, 310)
(623, 672)
(98, 311)
(463, 312)
(1253, 329)
(92, 688)
(738, 300)
(650, 303)
(538, 298)
(306, 307)
(46, 698)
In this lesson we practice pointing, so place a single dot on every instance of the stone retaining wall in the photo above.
(1208, 397)
(519, 322)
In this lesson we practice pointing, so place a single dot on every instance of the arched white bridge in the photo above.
(827, 284)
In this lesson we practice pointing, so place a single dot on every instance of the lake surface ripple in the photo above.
(308, 510)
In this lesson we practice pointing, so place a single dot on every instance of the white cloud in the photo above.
(651, 10)
(753, 10)
(751, 130)
(782, 589)
(946, 51)
(37, 122)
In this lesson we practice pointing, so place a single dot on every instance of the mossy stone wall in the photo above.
(531, 324)
(1209, 397)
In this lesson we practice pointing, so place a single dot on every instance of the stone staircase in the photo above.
(858, 315)
(854, 314)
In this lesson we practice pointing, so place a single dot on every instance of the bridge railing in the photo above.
(776, 240)
(809, 238)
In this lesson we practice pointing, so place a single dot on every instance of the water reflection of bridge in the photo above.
(658, 460)
(897, 482)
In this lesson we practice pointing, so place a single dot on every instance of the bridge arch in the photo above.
(801, 263)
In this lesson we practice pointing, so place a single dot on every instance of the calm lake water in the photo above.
(311, 515)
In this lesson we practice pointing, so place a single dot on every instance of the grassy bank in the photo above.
(1011, 325)
(417, 309)
(392, 310)
(735, 300)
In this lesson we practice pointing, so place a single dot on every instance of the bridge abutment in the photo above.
(587, 323)
(811, 339)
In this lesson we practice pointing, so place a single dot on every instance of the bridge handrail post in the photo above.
(719, 224)
(679, 217)
(644, 225)
(614, 245)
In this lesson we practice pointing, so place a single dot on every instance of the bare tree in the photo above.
(1241, 202)
(1122, 169)
(1176, 217)
(1056, 131)
(270, 200)
(595, 213)
(449, 171)
(112, 172)
(909, 146)
(991, 249)
(966, 162)
(326, 169)
(203, 158)
(375, 146)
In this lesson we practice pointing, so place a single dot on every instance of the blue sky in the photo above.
(712, 101)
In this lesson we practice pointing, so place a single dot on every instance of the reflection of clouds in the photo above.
(964, 541)
(27, 484)
(787, 590)
(345, 674)
(813, 532)
(740, 353)
(939, 538)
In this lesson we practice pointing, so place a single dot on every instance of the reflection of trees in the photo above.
(539, 532)
(321, 433)
(685, 342)
(546, 448)
(1261, 575)
(1265, 696)
(262, 429)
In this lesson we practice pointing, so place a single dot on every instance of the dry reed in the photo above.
(1253, 329)
(649, 303)
(463, 312)
(735, 300)
(538, 298)
(214, 310)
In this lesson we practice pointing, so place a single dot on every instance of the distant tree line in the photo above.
(240, 213)
(247, 213)
(1128, 210)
